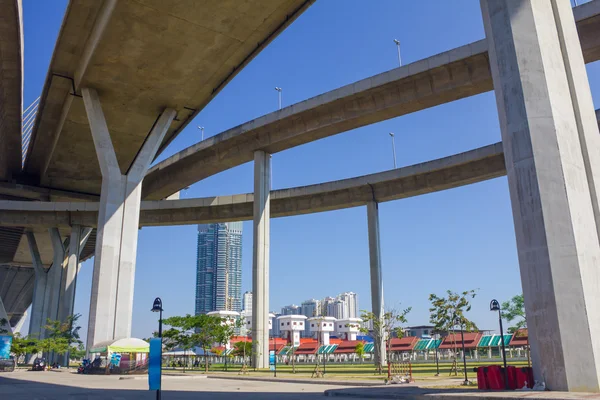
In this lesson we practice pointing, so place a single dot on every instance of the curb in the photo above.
(481, 395)
(305, 381)
(164, 376)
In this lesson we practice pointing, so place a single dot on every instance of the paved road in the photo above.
(28, 385)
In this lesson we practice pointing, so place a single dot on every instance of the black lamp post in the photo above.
(458, 322)
(495, 306)
(157, 307)
(437, 364)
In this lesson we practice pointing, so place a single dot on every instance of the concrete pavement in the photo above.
(28, 385)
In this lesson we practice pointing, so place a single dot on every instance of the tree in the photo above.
(23, 345)
(62, 335)
(445, 310)
(198, 330)
(385, 328)
(77, 352)
(5, 327)
(242, 349)
(514, 309)
(360, 350)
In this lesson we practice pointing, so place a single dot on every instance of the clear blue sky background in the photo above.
(458, 239)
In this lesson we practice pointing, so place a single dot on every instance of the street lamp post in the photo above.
(393, 148)
(495, 306)
(201, 132)
(437, 364)
(157, 307)
(398, 47)
(458, 322)
(279, 95)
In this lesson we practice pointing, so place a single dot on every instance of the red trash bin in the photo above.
(495, 379)
(524, 376)
(512, 377)
(482, 379)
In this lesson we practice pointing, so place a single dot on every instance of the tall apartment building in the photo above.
(219, 267)
(350, 300)
(247, 301)
(292, 309)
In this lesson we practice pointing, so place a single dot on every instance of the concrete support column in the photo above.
(260, 260)
(551, 149)
(55, 276)
(377, 306)
(4, 321)
(111, 301)
(39, 289)
(77, 240)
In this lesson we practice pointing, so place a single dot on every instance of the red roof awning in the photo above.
(403, 344)
(307, 348)
(347, 346)
(454, 340)
(520, 338)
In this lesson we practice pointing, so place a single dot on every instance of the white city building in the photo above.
(229, 318)
(291, 326)
(247, 301)
(247, 322)
(348, 328)
(323, 326)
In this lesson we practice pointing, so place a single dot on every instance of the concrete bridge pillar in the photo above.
(260, 260)
(111, 301)
(55, 277)
(39, 289)
(377, 306)
(552, 151)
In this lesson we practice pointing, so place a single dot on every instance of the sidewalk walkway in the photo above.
(430, 393)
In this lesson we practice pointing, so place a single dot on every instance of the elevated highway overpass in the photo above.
(112, 98)
(442, 78)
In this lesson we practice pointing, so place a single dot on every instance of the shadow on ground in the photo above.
(21, 389)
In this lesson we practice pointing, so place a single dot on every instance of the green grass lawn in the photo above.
(364, 371)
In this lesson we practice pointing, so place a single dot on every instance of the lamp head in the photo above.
(157, 306)
(396, 41)
(278, 89)
(391, 134)
(494, 305)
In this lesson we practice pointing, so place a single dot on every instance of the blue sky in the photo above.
(457, 239)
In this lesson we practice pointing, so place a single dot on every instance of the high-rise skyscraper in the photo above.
(219, 267)
(292, 309)
(247, 301)
(350, 300)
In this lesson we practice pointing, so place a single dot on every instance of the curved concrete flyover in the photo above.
(449, 76)
(431, 176)
(11, 87)
(142, 56)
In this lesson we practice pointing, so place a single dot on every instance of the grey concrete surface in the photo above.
(546, 118)
(460, 169)
(376, 274)
(176, 54)
(111, 304)
(260, 259)
(11, 87)
(439, 79)
(50, 386)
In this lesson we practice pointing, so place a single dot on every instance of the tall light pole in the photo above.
(398, 47)
(393, 148)
(202, 132)
(495, 306)
(279, 95)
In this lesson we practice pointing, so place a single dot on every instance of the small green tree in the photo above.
(514, 309)
(63, 332)
(446, 310)
(360, 350)
(23, 345)
(5, 327)
(384, 329)
(198, 330)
